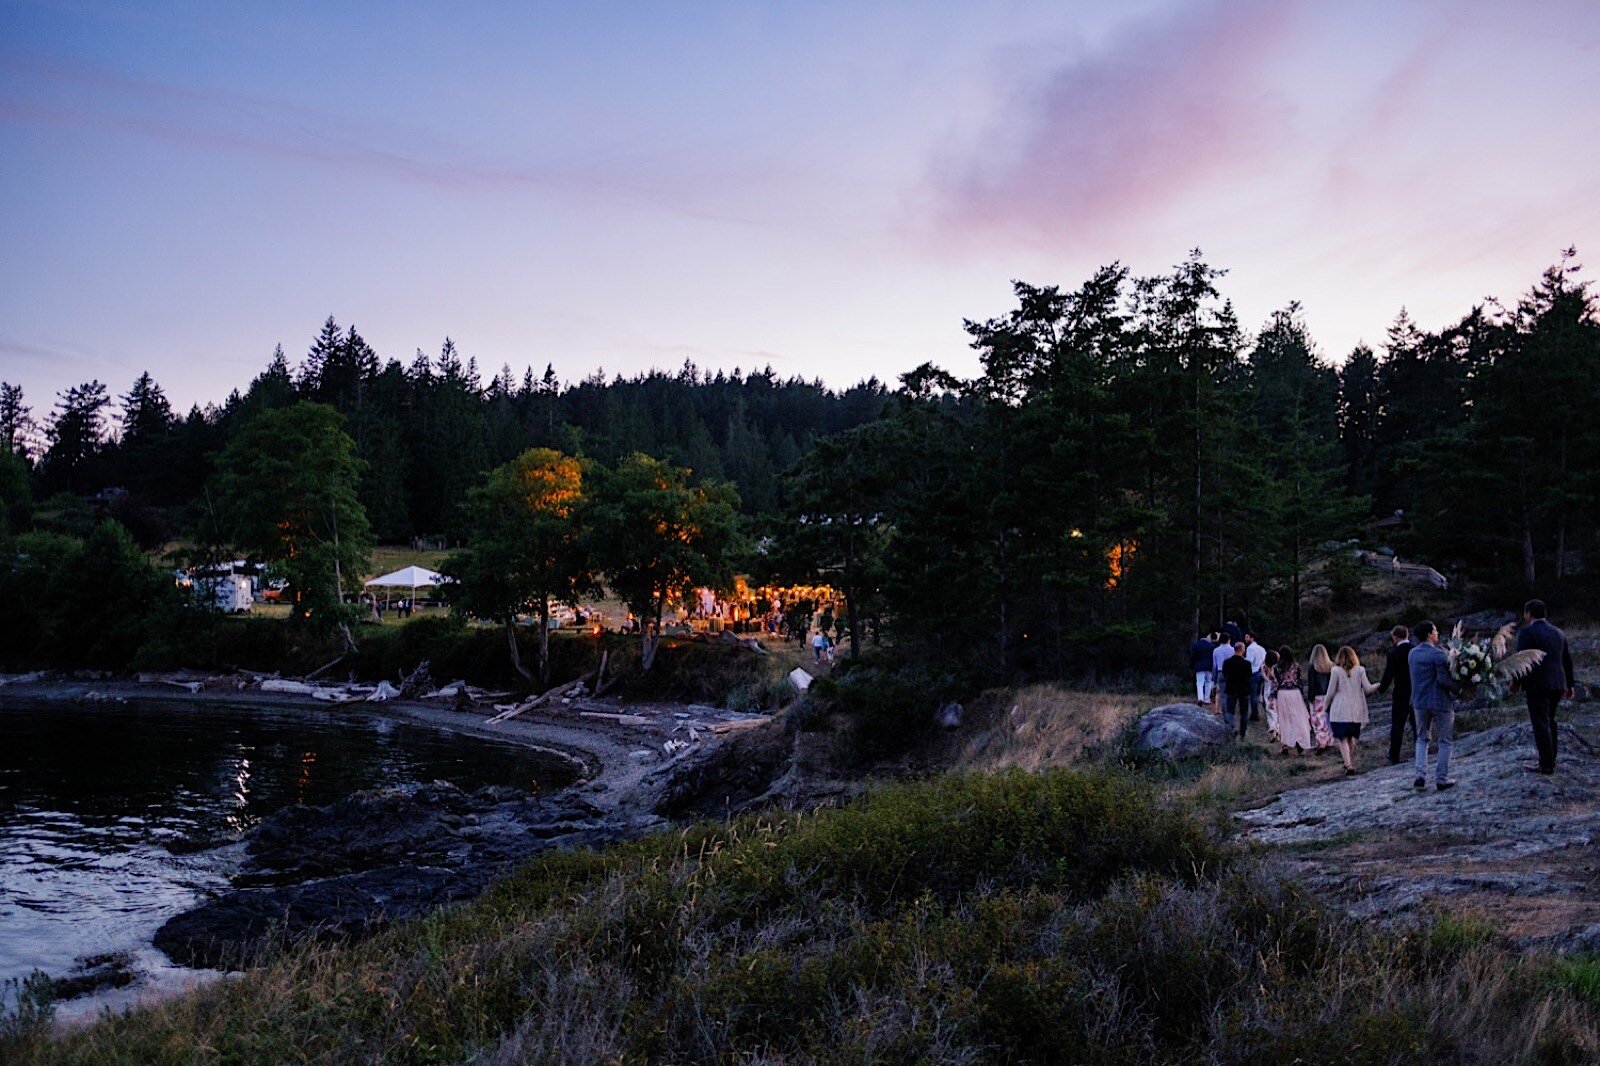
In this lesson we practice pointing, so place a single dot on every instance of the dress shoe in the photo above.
(1448, 782)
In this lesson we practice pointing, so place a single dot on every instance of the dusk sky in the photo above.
(826, 188)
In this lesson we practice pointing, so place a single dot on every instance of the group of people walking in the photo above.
(1313, 706)
(1322, 703)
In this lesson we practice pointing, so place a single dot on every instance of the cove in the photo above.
(115, 816)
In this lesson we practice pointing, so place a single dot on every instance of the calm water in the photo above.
(102, 807)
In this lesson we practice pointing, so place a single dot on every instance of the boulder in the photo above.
(1180, 731)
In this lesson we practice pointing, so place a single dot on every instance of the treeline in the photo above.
(1131, 464)
(427, 431)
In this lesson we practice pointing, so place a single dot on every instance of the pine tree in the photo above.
(77, 436)
(16, 421)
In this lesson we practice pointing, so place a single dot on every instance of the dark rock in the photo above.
(93, 974)
(236, 929)
(345, 868)
(726, 777)
(1180, 731)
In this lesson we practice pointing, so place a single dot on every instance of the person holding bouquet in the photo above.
(1348, 689)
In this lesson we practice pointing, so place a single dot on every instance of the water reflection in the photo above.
(103, 808)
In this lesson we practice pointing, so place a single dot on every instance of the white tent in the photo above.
(412, 577)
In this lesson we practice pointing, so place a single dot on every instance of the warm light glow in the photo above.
(1117, 560)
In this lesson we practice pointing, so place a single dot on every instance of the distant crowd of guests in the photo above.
(1321, 703)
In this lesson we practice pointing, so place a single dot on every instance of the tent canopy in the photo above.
(410, 578)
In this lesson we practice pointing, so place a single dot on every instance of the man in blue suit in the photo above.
(1433, 703)
(1548, 681)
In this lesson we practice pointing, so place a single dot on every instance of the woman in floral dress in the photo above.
(1317, 690)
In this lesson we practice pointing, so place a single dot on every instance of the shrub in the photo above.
(1058, 917)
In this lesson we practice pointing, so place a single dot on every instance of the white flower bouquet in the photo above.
(1487, 662)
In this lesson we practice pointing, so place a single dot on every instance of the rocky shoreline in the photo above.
(349, 867)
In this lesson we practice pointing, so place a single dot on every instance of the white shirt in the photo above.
(1223, 653)
(1256, 655)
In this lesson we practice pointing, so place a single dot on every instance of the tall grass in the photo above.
(1052, 917)
(1044, 726)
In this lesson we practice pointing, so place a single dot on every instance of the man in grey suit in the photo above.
(1548, 681)
(1433, 704)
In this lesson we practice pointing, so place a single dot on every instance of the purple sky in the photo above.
(828, 188)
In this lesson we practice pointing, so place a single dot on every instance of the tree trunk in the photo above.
(1528, 565)
(1561, 522)
(854, 624)
(544, 642)
(1199, 498)
(651, 641)
(516, 652)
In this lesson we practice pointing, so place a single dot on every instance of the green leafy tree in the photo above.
(286, 487)
(527, 549)
(100, 599)
(656, 536)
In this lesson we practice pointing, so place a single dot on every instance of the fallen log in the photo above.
(620, 719)
(530, 704)
(739, 726)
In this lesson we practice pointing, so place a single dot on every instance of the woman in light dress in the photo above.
(1269, 697)
(1294, 718)
(1317, 692)
(1348, 689)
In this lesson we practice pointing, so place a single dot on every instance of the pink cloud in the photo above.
(1104, 139)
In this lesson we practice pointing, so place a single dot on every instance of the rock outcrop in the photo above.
(1517, 846)
(374, 857)
(1180, 731)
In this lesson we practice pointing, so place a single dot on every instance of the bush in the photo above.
(1058, 917)
(890, 707)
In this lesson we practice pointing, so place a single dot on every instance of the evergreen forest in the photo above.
(1130, 465)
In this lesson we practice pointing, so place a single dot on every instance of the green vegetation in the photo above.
(529, 548)
(1053, 917)
(286, 494)
(656, 535)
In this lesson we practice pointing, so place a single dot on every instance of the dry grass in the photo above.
(1043, 726)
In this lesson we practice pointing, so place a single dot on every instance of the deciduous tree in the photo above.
(527, 547)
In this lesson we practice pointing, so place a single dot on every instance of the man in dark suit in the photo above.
(1397, 672)
(1548, 681)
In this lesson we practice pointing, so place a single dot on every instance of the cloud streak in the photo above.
(85, 97)
(1105, 138)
